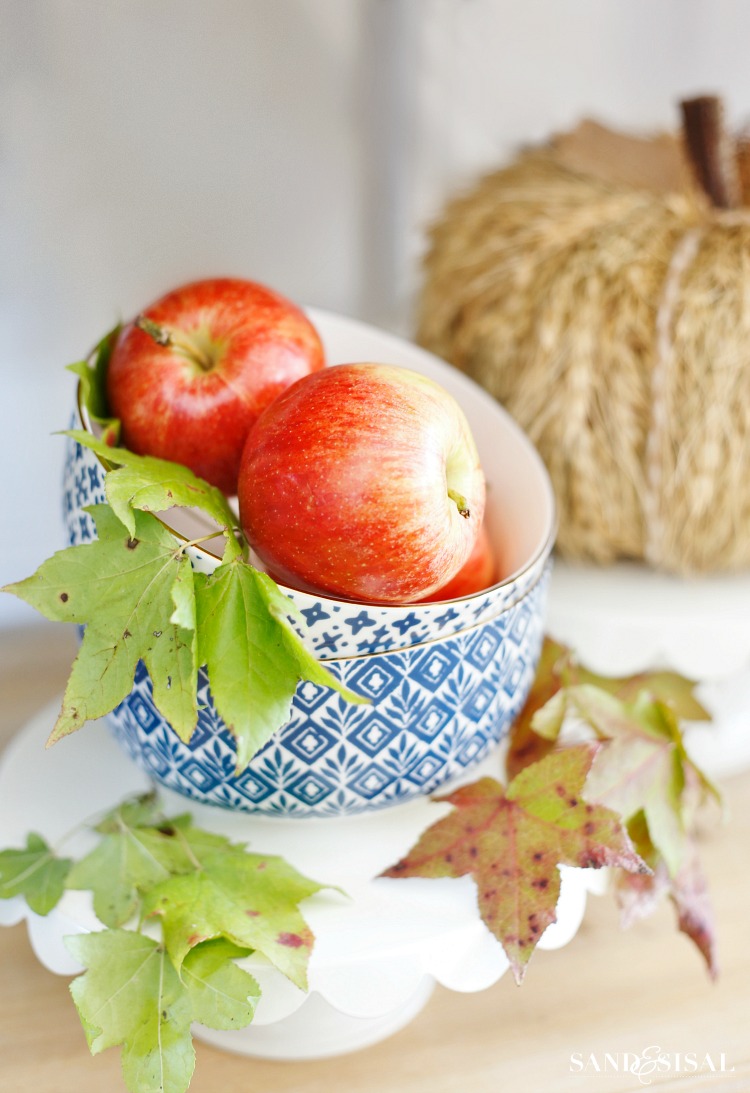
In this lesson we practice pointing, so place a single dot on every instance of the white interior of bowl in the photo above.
(520, 513)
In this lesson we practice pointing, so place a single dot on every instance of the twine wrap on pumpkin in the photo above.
(614, 324)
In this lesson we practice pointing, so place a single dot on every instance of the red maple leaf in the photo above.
(511, 841)
(558, 671)
(638, 896)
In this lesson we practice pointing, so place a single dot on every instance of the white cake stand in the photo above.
(627, 618)
(377, 954)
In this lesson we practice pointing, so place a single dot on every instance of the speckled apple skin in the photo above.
(478, 572)
(343, 485)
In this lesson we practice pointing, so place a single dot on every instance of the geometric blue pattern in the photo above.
(311, 695)
(372, 781)
(144, 714)
(445, 682)
(434, 665)
(425, 769)
(432, 720)
(373, 734)
(436, 715)
(479, 700)
(482, 649)
(253, 786)
(375, 678)
(311, 787)
(308, 742)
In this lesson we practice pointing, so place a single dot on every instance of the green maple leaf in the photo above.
(116, 872)
(132, 812)
(129, 859)
(93, 377)
(141, 600)
(149, 484)
(135, 590)
(511, 841)
(216, 904)
(254, 659)
(34, 873)
(131, 996)
(137, 851)
(129, 589)
(250, 900)
(222, 995)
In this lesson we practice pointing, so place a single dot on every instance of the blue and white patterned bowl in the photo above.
(445, 680)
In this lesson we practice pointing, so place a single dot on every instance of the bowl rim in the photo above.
(539, 556)
(440, 639)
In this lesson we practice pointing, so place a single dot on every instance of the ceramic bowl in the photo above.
(445, 680)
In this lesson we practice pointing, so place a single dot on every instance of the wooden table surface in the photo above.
(608, 991)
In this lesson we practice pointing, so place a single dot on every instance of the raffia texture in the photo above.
(614, 325)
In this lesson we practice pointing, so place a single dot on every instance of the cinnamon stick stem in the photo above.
(711, 150)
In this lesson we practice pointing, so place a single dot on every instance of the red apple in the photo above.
(191, 375)
(476, 574)
(362, 481)
(480, 571)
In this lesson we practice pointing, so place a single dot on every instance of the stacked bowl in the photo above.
(444, 680)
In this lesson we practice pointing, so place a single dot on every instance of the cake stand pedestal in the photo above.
(379, 950)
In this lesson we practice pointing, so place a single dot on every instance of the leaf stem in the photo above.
(91, 821)
(87, 823)
(233, 549)
(189, 851)
(202, 539)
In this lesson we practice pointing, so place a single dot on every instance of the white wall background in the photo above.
(303, 143)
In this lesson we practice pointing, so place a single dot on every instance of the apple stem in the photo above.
(162, 335)
(461, 503)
